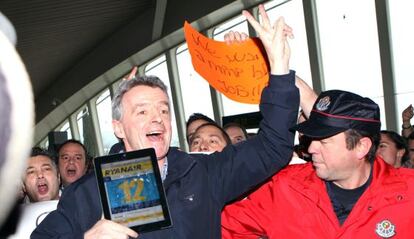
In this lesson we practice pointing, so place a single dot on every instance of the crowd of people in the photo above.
(356, 180)
(48, 172)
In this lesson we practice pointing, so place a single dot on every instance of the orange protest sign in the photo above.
(239, 71)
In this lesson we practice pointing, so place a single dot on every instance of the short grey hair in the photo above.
(126, 85)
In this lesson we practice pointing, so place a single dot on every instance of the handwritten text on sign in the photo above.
(239, 71)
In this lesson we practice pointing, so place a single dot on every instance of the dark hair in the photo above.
(237, 125)
(198, 116)
(38, 151)
(117, 148)
(74, 141)
(194, 117)
(224, 134)
(301, 149)
(352, 140)
(399, 142)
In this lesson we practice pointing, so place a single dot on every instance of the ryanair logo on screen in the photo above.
(127, 169)
(385, 229)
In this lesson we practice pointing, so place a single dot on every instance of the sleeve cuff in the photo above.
(282, 81)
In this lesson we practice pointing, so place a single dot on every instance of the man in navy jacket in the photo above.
(197, 186)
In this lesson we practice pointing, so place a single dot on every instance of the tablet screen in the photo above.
(131, 190)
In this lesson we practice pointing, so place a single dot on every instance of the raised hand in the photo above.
(131, 74)
(235, 37)
(274, 39)
(407, 114)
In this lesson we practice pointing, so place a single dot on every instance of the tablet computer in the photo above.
(131, 190)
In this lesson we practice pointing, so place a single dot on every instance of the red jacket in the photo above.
(295, 204)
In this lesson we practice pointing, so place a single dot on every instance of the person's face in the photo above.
(207, 139)
(193, 126)
(146, 120)
(411, 150)
(332, 160)
(236, 134)
(389, 152)
(41, 181)
(72, 163)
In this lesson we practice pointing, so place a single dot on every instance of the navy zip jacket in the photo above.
(197, 186)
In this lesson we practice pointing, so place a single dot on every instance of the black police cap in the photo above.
(336, 111)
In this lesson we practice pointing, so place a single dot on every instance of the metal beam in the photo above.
(314, 45)
(176, 94)
(159, 16)
(387, 66)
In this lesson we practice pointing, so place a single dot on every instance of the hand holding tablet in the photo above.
(131, 190)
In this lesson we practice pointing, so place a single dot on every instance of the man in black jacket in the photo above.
(197, 186)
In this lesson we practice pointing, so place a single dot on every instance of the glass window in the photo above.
(402, 44)
(103, 107)
(158, 67)
(79, 118)
(44, 143)
(65, 127)
(239, 24)
(350, 49)
(292, 11)
(403, 49)
(193, 86)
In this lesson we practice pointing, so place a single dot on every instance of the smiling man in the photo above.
(41, 179)
(197, 186)
(146, 120)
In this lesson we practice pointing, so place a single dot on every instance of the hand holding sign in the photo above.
(238, 69)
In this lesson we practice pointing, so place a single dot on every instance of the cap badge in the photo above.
(385, 229)
(323, 103)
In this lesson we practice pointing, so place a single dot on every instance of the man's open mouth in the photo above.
(42, 188)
